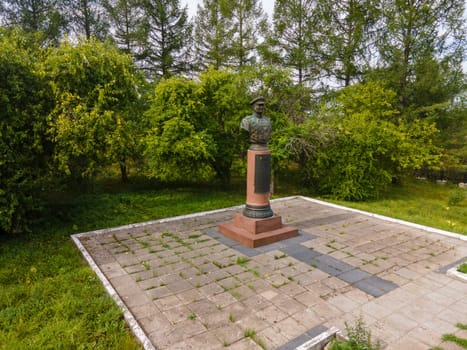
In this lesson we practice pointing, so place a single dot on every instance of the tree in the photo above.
(249, 23)
(225, 99)
(422, 44)
(24, 153)
(33, 16)
(96, 119)
(209, 110)
(367, 145)
(88, 19)
(177, 149)
(296, 37)
(350, 28)
(213, 34)
(167, 33)
(127, 24)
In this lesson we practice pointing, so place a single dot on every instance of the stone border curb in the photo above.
(129, 318)
(454, 273)
(321, 340)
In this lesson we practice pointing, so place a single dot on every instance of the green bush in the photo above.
(359, 338)
(24, 102)
(366, 145)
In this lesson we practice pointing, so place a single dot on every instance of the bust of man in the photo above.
(257, 125)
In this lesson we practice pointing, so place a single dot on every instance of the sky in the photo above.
(268, 6)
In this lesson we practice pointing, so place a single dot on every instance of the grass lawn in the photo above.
(422, 202)
(50, 299)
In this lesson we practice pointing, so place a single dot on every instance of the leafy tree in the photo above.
(96, 118)
(25, 103)
(211, 109)
(167, 33)
(176, 146)
(367, 144)
(225, 99)
(45, 16)
(128, 25)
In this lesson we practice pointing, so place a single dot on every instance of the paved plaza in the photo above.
(182, 285)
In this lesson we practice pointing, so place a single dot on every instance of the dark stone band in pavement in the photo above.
(362, 280)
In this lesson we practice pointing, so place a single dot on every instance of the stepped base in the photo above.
(255, 233)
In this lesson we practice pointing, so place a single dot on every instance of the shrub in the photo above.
(23, 149)
(367, 144)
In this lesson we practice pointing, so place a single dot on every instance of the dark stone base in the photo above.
(255, 212)
(255, 233)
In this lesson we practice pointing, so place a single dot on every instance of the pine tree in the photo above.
(213, 34)
(167, 33)
(249, 25)
(421, 49)
(45, 16)
(88, 18)
(295, 36)
(350, 28)
(127, 24)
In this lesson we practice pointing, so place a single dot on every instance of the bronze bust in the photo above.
(257, 125)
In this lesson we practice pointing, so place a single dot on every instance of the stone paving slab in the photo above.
(182, 285)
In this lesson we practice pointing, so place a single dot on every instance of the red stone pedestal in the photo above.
(257, 225)
(255, 233)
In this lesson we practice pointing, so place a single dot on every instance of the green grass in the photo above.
(461, 342)
(50, 298)
(462, 268)
(422, 202)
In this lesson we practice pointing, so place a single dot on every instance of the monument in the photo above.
(257, 225)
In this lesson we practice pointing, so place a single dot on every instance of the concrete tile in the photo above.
(375, 310)
(229, 334)
(177, 314)
(292, 288)
(407, 343)
(424, 335)
(290, 328)
(168, 302)
(157, 293)
(287, 304)
(326, 311)
(202, 307)
(308, 318)
(271, 314)
(211, 289)
(256, 302)
(245, 344)
(249, 321)
(236, 311)
(343, 303)
(308, 298)
(271, 338)
(222, 299)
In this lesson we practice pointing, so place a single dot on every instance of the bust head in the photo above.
(258, 106)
